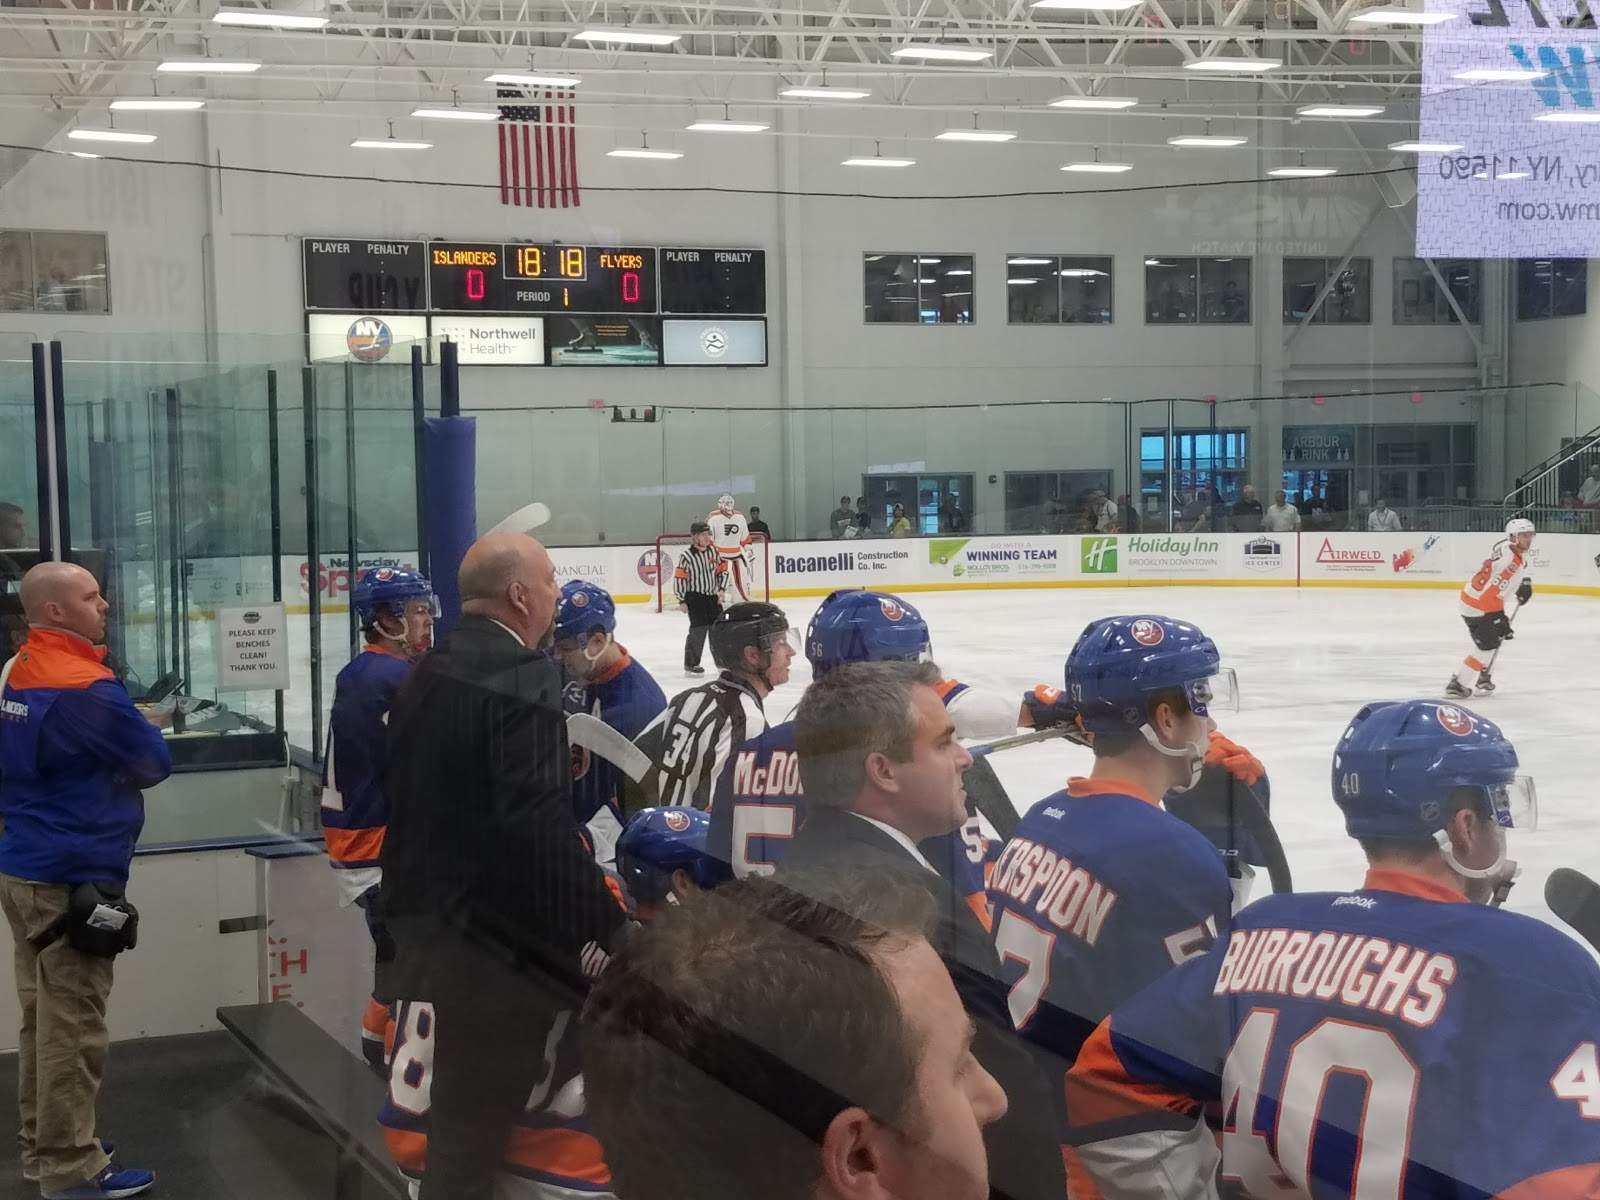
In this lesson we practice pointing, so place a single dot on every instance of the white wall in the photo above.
(207, 260)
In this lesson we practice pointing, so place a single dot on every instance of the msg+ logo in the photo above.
(1099, 556)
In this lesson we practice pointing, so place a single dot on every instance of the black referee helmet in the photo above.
(751, 623)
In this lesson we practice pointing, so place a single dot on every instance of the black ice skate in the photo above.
(1485, 684)
(1455, 690)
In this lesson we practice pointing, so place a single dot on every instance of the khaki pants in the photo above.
(61, 1051)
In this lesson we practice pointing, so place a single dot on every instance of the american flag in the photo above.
(538, 148)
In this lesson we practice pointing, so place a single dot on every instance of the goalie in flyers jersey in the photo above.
(1398, 1039)
(730, 534)
(1483, 607)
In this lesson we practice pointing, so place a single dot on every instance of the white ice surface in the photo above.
(1307, 659)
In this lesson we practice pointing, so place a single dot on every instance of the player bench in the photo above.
(331, 1084)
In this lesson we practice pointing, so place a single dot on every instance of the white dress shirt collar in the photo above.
(511, 631)
(902, 839)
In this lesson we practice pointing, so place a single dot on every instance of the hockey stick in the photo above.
(1575, 898)
(595, 736)
(529, 516)
(1020, 739)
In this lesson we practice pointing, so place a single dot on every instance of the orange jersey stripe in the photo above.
(564, 1152)
(353, 845)
(980, 909)
(1098, 1089)
(1581, 1182)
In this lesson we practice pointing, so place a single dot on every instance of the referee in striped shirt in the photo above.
(697, 582)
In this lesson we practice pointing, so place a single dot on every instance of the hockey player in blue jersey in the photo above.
(758, 806)
(1400, 1039)
(1100, 890)
(396, 609)
(604, 680)
(663, 859)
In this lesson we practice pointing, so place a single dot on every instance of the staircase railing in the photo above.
(1545, 485)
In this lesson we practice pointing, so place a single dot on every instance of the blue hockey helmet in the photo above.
(659, 841)
(1398, 765)
(852, 625)
(385, 591)
(1119, 663)
(584, 608)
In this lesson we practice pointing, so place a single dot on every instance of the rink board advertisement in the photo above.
(1345, 559)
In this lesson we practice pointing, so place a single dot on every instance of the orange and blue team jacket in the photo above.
(74, 754)
(1390, 1041)
(551, 1150)
(355, 807)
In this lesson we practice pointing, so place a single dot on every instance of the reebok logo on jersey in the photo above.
(1356, 901)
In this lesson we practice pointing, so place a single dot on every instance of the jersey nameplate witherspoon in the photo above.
(252, 649)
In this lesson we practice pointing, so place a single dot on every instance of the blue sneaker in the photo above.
(110, 1152)
(111, 1184)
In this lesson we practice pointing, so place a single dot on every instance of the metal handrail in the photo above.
(1544, 489)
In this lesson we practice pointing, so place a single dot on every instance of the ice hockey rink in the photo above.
(1306, 660)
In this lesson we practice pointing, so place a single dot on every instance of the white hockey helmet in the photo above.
(1519, 525)
(725, 503)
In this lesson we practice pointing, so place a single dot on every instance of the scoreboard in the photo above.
(513, 278)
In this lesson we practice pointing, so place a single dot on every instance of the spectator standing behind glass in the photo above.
(899, 524)
(882, 771)
(14, 536)
(1281, 516)
(755, 524)
(1383, 519)
(863, 518)
(1102, 512)
(1588, 494)
(793, 1043)
(1128, 519)
(500, 915)
(74, 754)
(1196, 513)
(842, 519)
(1247, 513)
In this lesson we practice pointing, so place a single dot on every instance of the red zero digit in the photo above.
(475, 287)
(630, 287)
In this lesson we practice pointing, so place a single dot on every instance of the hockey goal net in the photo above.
(670, 545)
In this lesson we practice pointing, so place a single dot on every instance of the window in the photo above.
(933, 504)
(1418, 299)
(1048, 289)
(1552, 287)
(56, 272)
(1196, 291)
(1052, 501)
(918, 289)
(1208, 467)
(1348, 302)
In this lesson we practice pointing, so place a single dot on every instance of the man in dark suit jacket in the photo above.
(500, 914)
(881, 770)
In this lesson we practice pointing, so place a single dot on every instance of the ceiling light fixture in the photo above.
(456, 113)
(518, 79)
(1079, 273)
(931, 50)
(1029, 262)
(156, 104)
(1084, 5)
(266, 18)
(878, 160)
(1415, 147)
(110, 135)
(1096, 167)
(1499, 74)
(626, 37)
(389, 143)
(1022, 281)
(1344, 111)
(642, 150)
(208, 66)
(1303, 172)
(1094, 102)
(825, 92)
(729, 125)
(1393, 15)
(84, 154)
(1208, 141)
(1234, 64)
(975, 134)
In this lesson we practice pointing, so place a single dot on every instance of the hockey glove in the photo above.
(1502, 626)
(1235, 759)
(1049, 708)
(1524, 591)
